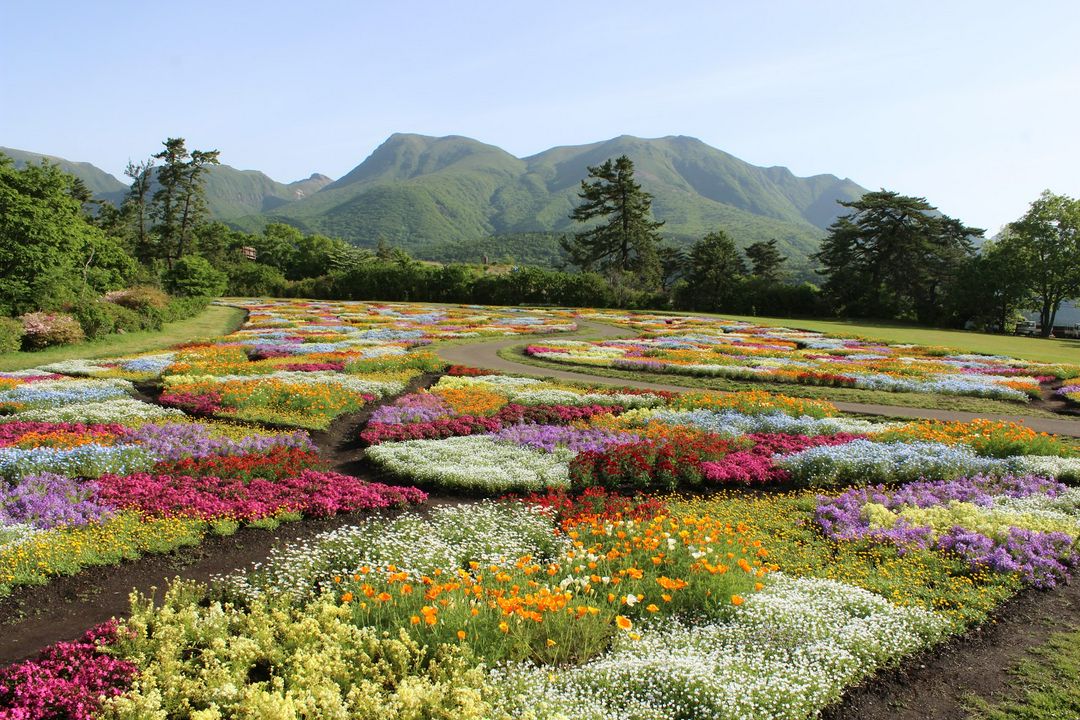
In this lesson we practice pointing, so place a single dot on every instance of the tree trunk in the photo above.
(1046, 317)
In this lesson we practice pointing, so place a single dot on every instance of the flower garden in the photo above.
(715, 347)
(613, 552)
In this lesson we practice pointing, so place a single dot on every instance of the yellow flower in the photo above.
(623, 622)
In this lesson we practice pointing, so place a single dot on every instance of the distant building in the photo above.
(1068, 316)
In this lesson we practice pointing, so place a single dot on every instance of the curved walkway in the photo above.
(485, 354)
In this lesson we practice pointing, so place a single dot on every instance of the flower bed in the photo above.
(715, 347)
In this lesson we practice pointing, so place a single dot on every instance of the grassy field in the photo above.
(879, 397)
(1044, 350)
(211, 322)
(1046, 685)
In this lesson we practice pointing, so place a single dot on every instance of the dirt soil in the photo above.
(934, 684)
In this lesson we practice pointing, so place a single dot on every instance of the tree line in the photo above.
(889, 257)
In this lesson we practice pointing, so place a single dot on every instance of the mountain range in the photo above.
(454, 198)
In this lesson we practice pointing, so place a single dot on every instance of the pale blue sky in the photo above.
(973, 104)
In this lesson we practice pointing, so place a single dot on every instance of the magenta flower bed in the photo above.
(755, 464)
(66, 681)
(312, 492)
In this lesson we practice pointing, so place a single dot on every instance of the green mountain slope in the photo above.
(426, 193)
(103, 185)
(229, 192)
(456, 198)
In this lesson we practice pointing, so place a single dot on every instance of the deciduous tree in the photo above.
(1045, 247)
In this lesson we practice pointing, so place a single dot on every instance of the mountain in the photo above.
(103, 185)
(454, 198)
(230, 192)
(428, 194)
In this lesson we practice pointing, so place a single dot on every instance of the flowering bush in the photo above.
(42, 330)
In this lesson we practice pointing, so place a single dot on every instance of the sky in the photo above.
(973, 105)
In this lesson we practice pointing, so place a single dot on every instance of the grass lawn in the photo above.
(213, 321)
(856, 395)
(1045, 350)
(1047, 685)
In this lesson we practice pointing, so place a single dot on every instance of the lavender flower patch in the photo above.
(551, 437)
(1042, 558)
(174, 441)
(48, 500)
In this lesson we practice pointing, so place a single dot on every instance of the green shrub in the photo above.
(42, 330)
(125, 319)
(181, 308)
(139, 299)
(94, 319)
(11, 335)
(194, 276)
(256, 280)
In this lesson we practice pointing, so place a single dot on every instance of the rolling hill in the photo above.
(454, 198)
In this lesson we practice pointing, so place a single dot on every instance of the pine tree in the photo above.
(626, 240)
(765, 260)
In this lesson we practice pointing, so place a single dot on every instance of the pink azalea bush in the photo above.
(42, 330)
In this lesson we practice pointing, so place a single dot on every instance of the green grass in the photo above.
(213, 321)
(1046, 685)
(1057, 350)
(855, 395)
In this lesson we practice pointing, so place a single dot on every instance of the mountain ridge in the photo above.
(427, 193)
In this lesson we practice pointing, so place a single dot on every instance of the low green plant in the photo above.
(200, 659)
(11, 334)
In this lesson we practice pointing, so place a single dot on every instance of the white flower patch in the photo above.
(123, 411)
(788, 652)
(1065, 469)
(475, 463)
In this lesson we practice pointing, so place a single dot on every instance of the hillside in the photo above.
(427, 194)
(103, 185)
(230, 193)
(454, 198)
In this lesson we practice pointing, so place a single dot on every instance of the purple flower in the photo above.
(48, 500)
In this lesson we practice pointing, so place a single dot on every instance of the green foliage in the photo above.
(141, 298)
(193, 276)
(45, 241)
(765, 260)
(893, 256)
(252, 279)
(1045, 247)
(11, 334)
(714, 272)
(178, 206)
